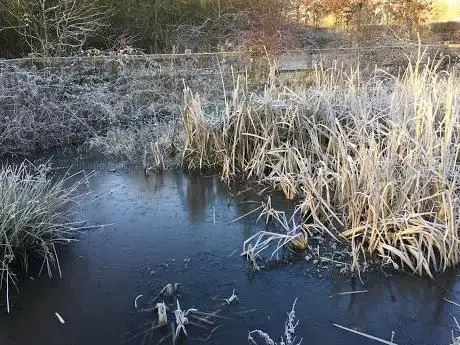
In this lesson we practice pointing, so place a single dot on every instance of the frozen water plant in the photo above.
(289, 328)
(295, 236)
(181, 319)
(264, 336)
(170, 289)
(455, 340)
(232, 298)
(289, 337)
(251, 256)
(270, 213)
(162, 316)
(136, 299)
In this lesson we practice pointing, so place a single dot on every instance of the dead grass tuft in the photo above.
(34, 215)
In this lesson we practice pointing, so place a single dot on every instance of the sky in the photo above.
(448, 10)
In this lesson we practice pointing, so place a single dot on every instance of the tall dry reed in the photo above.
(374, 161)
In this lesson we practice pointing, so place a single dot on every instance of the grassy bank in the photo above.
(373, 161)
(59, 103)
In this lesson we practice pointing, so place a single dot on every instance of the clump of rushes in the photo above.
(34, 215)
(374, 161)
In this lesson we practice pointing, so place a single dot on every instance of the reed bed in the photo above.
(34, 214)
(371, 161)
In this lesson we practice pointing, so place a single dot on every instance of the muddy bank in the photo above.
(175, 228)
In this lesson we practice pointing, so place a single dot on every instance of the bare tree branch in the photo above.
(58, 28)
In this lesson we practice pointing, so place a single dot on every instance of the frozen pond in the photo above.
(176, 227)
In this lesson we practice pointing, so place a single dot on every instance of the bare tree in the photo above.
(55, 27)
